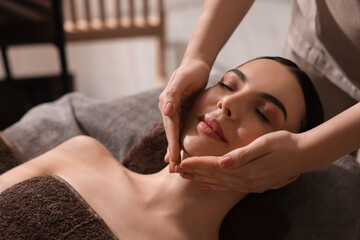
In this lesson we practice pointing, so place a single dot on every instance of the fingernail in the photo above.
(166, 157)
(177, 168)
(184, 165)
(187, 176)
(226, 162)
(168, 108)
(205, 188)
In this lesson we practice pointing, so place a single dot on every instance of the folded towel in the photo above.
(118, 123)
(143, 157)
(48, 208)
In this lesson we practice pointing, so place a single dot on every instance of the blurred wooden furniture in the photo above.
(30, 22)
(105, 19)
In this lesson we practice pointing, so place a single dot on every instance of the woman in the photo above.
(317, 29)
(258, 97)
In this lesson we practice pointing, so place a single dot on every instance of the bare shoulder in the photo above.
(76, 155)
(83, 152)
(83, 146)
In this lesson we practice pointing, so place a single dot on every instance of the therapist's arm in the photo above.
(333, 139)
(275, 159)
(217, 21)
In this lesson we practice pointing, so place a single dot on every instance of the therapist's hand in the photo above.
(269, 162)
(190, 78)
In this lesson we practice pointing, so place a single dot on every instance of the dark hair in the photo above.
(314, 114)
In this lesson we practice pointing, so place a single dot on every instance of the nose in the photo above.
(226, 105)
(231, 105)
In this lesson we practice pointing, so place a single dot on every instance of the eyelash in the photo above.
(226, 86)
(262, 116)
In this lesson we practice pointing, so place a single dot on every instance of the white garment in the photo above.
(326, 34)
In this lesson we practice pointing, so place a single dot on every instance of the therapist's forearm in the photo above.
(333, 139)
(217, 21)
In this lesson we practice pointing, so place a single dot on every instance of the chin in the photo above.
(195, 146)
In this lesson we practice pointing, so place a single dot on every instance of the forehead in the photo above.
(269, 76)
(266, 70)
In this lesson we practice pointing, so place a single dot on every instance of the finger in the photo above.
(240, 178)
(203, 162)
(239, 157)
(169, 100)
(177, 168)
(172, 130)
(221, 179)
(223, 175)
(198, 178)
(215, 187)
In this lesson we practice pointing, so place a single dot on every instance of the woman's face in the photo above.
(259, 97)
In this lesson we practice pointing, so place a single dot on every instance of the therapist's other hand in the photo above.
(190, 78)
(269, 162)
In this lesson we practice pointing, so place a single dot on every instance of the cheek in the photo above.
(206, 100)
(204, 103)
(190, 141)
(192, 145)
(246, 134)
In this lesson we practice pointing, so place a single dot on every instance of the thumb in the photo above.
(201, 162)
(169, 99)
(241, 156)
(169, 103)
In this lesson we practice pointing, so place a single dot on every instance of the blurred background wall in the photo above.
(105, 69)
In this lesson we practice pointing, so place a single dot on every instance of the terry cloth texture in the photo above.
(321, 204)
(142, 156)
(46, 208)
(117, 124)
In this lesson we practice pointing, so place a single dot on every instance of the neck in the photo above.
(182, 202)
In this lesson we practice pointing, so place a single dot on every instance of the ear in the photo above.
(286, 183)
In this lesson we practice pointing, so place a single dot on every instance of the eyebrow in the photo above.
(240, 74)
(266, 96)
(275, 101)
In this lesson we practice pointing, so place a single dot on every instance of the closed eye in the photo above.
(226, 86)
(262, 116)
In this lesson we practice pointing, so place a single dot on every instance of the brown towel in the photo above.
(146, 155)
(9, 157)
(48, 208)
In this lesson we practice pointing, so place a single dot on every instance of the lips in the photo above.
(211, 127)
